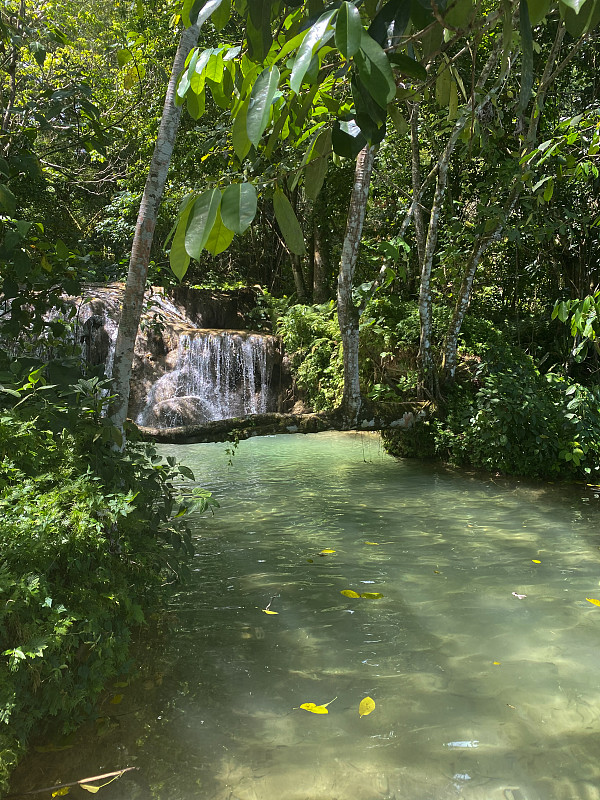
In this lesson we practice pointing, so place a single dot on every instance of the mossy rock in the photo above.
(414, 442)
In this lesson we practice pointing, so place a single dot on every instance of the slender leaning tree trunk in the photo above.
(144, 233)
(347, 311)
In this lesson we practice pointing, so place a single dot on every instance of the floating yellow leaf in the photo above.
(315, 709)
(367, 704)
(592, 600)
(89, 788)
(375, 543)
(61, 792)
(349, 593)
(266, 611)
(535, 561)
(116, 699)
(326, 552)
(496, 663)
(371, 595)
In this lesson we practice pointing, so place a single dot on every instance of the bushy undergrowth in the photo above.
(516, 420)
(88, 538)
(312, 339)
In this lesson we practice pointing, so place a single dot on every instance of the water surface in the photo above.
(481, 656)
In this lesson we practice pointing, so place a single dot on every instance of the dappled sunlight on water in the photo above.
(481, 656)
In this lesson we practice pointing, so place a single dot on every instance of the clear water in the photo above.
(479, 693)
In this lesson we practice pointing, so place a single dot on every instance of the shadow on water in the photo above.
(481, 655)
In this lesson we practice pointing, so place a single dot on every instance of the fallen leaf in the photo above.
(315, 709)
(90, 788)
(367, 704)
(61, 792)
(326, 552)
(496, 663)
(437, 572)
(593, 600)
(535, 561)
(349, 593)
(371, 595)
(266, 611)
(116, 699)
(375, 543)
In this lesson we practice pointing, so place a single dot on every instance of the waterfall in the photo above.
(217, 374)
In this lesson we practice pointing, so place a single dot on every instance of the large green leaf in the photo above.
(178, 257)
(459, 13)
(202, 218)
(7, 199)
(319, 34)
(408, 66)
(390, 22)
(375, 71)
(259, 40)
(239, 134)
(259, 108)
(198, 10)
(348, 29)
(288, 223)
(576, 5)
(316, 169)
(347, 139)
(584, 22)
(219, 238)
(221, 15)
(238, 206)
(538, 10)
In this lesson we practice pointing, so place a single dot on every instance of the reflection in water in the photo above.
(481, 656)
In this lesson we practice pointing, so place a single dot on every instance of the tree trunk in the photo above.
(416, 181)
(347, 311)
(144, 234)
(299, 281)
(320, 288)
(550, 73)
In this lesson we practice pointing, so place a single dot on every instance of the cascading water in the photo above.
(217, 374)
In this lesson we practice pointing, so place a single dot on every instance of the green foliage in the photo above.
(89, 537)
(517, 421)
(311, 335)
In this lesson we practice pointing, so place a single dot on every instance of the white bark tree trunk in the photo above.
(144, 234)
(347, 311)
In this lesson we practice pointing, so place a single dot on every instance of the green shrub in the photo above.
(312, 339)
(520, 422)
(89, 536)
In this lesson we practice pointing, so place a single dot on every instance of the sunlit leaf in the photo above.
(367, 705)
(496, 663)
(202, 218)
(326, 552)
(535, 561)
(219, 238)
(61, 792)
(259, 108)
(375, 543)
(349, 593)
(371, 595)
(593, 600)
(238, 206)
(268, 611)
(89, 788)
(348, 30)
(315, 709)
(318, 34)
